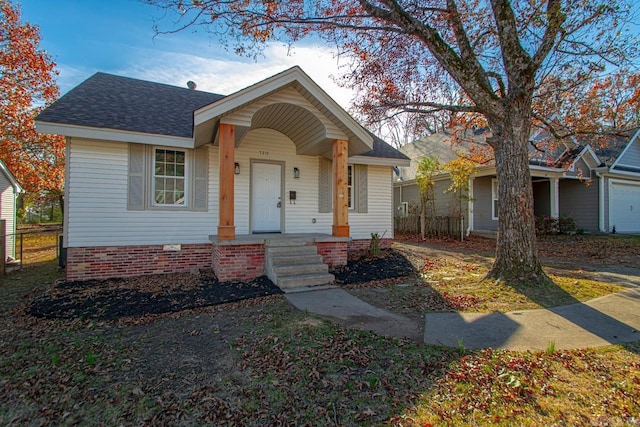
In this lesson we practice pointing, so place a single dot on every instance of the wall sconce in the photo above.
(296, 173)
(236, 168)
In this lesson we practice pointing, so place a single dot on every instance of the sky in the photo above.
(117, 37)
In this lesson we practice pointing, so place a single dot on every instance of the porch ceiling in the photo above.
(302, 127)
(290, 103)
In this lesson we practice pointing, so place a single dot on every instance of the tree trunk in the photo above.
(517, 250)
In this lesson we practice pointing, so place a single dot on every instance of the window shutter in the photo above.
(135, 199)
(201, 173)
(362, 181)
(324, 186)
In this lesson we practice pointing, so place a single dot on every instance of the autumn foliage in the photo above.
(27, 84)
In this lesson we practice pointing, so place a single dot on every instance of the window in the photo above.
(169, 178)
(166, 178)
(357, 186)
(494, 198)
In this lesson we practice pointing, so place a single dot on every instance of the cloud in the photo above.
(229, 75)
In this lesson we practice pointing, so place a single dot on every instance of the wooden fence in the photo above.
(439, 226)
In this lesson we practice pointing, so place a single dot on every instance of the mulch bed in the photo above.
(361, 267)
(112, 299)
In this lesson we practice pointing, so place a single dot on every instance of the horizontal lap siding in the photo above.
(379, 218)
(482, 205)
(7, 212)
(631, 156)
(271, 146)
(579, 201)
(98, 214)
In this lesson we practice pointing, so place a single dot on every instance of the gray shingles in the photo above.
(113, 102)
(382, 149)
(107, 101)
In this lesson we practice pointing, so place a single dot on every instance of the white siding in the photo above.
(97, 203)
(98, 214)
(7, 212)
(270, 145)
(379, 219)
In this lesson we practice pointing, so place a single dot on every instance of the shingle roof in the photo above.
(107, 101)
(114, 102)
(382, 149)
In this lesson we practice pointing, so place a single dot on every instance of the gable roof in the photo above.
(12, 180)
(444, 146)
(107, 101)
(112, 107)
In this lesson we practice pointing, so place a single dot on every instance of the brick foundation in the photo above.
(333, 253)
(238, 262)
(121, 261)
(363, 244)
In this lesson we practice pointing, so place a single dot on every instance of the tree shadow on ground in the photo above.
(612, 318)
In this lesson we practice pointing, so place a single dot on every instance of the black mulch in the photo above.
(112, 299)
(71, 299)
(364, 268)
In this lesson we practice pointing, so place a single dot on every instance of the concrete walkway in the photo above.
(347, 310)
(607, 320)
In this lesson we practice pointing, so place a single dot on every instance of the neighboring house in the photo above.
(597, 184)
(9, 192)
(163, 179)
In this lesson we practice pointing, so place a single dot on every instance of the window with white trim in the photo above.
(169, 178)
(494, 198)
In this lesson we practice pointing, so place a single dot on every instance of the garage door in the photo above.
(624, 207)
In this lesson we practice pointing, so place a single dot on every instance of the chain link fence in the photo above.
(29, 246)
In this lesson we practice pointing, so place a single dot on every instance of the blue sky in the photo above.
(116, 36)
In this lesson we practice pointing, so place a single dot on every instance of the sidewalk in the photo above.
(603, 321)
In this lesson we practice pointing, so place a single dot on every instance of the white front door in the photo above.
(266, 193)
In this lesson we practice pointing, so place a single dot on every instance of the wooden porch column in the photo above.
(226, 227)
(340, 189)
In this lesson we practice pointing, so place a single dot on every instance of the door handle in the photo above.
(279, 204)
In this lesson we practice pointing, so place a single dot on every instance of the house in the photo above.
(163, 179)
(594, 182)
(9, 192)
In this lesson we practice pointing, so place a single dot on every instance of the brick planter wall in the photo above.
(238, 262)
(333, 253)
(121, 261)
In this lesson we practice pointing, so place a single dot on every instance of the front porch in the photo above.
(289, 260)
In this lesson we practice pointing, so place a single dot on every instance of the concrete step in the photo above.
(305, 280)
(299, 269)
(286, 242)
(291, 250)
(295, 259)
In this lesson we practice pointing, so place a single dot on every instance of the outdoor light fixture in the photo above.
(296, 173)
(236, 168)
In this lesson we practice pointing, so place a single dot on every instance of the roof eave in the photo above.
(75, 131)
(378, 161)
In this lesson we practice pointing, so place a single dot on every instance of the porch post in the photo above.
(554, 205)
(226, 227)
(340, 189)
